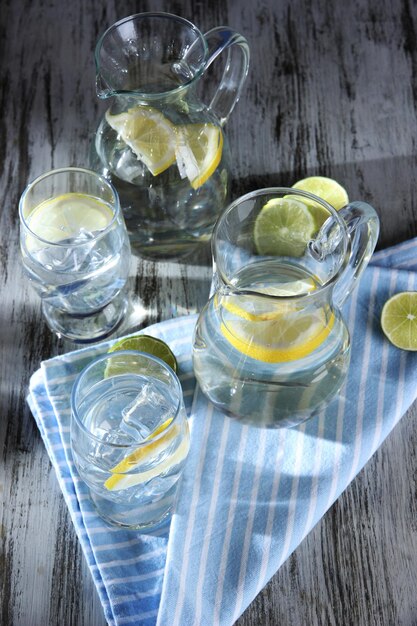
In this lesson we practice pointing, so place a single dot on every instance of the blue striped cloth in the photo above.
(248, 496)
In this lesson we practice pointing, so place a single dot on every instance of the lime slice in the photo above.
(142, 343)
(149, 134)
(121, 479)
(399, 320)
(199, 151)
(327, 189)
(69, 216)
(283, 227)
(287, 337)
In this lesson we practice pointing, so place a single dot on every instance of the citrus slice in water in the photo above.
(283, 227)
(149, 134)
(123, 474)
(287, 337)
(199, 151)
(399, 320)
(326, 188)
(68, 216)
(142, 343)
(256, 308)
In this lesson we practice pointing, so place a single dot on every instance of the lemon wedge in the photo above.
(198, 152)
(149, 134)
(287, 337)
(121, 479)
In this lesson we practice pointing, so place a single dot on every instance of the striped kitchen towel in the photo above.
(248, 496)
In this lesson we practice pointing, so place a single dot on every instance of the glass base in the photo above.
(87, 328)
(144, 516)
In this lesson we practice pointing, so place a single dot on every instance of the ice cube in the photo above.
(148, 410)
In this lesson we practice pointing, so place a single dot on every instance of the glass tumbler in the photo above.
(129, 437)
(76, 252)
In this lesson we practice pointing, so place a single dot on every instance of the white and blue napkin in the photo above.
(248, 496)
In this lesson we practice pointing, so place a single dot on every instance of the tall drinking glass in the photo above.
(76, 252)
(129, 436)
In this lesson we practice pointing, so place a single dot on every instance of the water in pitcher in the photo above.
(265, 351)
(169, 161)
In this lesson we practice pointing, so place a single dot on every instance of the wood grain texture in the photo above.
(332, 90)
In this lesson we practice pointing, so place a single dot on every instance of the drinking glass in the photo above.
(129, 437)
(76, 252)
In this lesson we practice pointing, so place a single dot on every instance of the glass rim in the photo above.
(280, 191)
(139, 92)
(115, 206)
(137, 444)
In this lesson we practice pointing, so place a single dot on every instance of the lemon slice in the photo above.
(149, 134)
(326, 188)
(143, 343)
(399, 320)
(283, 227)
(257, 308)
(288, 337)
(199, 151)
(68, 216)
(120, 479)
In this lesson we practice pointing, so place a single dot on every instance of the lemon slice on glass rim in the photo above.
(149, 134)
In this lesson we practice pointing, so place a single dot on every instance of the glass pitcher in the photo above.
(162, 147)
(271, 346)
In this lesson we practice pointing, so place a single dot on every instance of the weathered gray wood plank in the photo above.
(332, 90)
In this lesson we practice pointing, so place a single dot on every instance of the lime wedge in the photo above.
(283, 227)
(142, 343)
(198, 152)
(399, 320)
(149, 134)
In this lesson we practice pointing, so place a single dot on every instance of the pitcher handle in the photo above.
(363, 229)
(234, 74)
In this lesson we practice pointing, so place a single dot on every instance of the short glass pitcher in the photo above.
(271, 346)
(161, 145)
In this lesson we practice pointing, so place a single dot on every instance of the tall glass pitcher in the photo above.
(162, 146)
(271, 346)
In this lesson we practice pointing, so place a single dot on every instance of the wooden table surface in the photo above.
(332, 90)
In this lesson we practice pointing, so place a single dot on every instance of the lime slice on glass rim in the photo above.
(399, 320)
(142, 343)
(325, 188)
(283, 227)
